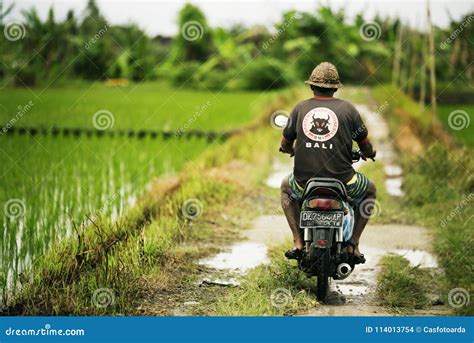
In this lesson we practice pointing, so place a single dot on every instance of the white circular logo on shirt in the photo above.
(320, 124)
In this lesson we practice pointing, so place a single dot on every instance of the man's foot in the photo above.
(354, 254)
(294, 254)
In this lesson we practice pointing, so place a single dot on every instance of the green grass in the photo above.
(142, 106)
(439, 187)
(275, 289)
(459, 127)
(401, 108)
(439, 195)
(402, 287)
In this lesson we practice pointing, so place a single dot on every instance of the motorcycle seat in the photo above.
(321, 186)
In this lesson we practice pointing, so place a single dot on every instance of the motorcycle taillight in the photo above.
(324, 204)
(322, 242)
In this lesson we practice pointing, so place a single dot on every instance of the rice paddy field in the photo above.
(52, 183)
(144, 106)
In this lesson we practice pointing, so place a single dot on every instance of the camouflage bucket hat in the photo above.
(325, 75)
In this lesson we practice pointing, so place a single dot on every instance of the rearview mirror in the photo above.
(279, 119)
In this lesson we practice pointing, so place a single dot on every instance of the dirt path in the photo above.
(354, 296)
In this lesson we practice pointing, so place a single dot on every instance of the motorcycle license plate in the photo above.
(321, 219)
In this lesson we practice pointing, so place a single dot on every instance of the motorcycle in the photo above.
(326, 223)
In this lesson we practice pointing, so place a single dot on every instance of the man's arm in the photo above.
(289, 133)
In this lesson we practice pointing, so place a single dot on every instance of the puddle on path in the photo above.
(418, 258)
(394, 186)
(392, 170)
(240, 257)
(351, 289)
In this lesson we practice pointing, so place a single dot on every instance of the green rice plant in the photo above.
(59, 183)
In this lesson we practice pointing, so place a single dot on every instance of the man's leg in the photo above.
(362, 217)
(291, 209)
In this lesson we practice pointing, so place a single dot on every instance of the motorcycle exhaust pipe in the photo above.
(343, 270)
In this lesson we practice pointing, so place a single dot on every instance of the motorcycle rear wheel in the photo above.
(322, 276)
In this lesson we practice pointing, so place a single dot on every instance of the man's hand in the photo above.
(367, 149)
(372, 155)
(289, 151)
(364, 157)
(286, 147)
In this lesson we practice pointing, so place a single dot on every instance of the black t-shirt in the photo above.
(324, 129)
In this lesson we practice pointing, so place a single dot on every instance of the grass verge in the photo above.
(439, 189)
(403, 288)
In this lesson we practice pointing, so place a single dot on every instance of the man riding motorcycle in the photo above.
(319, 134)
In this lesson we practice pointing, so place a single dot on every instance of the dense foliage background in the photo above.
(85, 46)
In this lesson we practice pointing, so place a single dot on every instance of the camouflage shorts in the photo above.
(357, 188)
